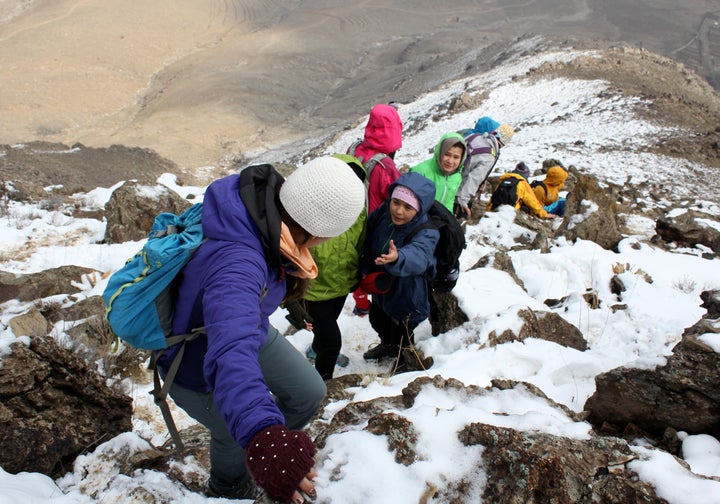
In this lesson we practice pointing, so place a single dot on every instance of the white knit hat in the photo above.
(324, 196)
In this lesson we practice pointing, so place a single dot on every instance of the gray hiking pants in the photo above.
(298, 391)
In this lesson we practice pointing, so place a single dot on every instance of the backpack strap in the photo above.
(353, 148)
(161, 389)
(414, 231)
(482, 150)
(374, 160)
(540, 183)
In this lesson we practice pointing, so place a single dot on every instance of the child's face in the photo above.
(451, 159)
(400, 212)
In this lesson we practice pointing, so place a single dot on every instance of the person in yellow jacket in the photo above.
(548, 190)
(515, 190)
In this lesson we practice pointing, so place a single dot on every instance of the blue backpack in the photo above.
(140, 297)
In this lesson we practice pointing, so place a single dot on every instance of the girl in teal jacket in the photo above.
(445, 167)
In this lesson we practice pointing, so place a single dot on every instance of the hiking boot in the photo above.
(413, 359)
(246, 490)
(380, 351)
(341, 361)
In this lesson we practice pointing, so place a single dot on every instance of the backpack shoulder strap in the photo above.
(414, 231)
(161, 389)
(353, 149)
(374, 160)
(540, 183)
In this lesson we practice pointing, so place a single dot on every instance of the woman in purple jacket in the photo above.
(243, 380)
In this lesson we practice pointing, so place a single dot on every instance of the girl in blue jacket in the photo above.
(396, 313)
(242, 379)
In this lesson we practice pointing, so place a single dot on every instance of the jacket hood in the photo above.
(447, 141)
(354, 163)
(423, 188)
(225, 216)
(243, 205)
(383, 132)
(556, 176)
(485, 125)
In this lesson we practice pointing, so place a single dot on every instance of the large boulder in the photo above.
(591, 213)
(534, 467)
(53, 407)
(445, 313)
(132, 208)
(548, 326)
(689, 228)
(682, 395)
(51, 282)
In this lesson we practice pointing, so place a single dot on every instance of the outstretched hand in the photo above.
(390, 257)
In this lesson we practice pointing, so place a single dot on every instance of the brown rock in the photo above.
(597, 224)
(682, 394)
(54, 407)
(534, 467)
(689, 229)
(132, 208)
(31, 323)
(43, 284)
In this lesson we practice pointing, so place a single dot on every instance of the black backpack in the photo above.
(448, 248)
(505, 194)
(540, 183)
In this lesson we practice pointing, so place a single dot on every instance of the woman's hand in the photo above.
(390, 257)
(307, 487)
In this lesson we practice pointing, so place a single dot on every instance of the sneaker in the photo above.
(380, 351)
(246, 490)
(342, 360)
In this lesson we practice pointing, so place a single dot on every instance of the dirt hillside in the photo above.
(209, 83)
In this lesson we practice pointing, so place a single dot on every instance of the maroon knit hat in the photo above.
(278, 459)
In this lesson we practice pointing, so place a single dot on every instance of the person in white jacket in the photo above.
(483, 151)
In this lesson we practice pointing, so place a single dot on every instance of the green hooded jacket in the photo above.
(446, 186)
(338, 259)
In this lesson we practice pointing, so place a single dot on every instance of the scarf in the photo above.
(299, 255)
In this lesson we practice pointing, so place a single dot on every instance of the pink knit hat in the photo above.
(405, 194)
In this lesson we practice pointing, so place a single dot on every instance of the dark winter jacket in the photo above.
(408, 297)
(232, 284)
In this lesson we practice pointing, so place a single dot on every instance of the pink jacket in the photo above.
(383, 134)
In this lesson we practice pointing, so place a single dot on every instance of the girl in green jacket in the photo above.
(445, 167)
(338, 261)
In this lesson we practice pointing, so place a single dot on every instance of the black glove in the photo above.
(297, 315)
(459, 211)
